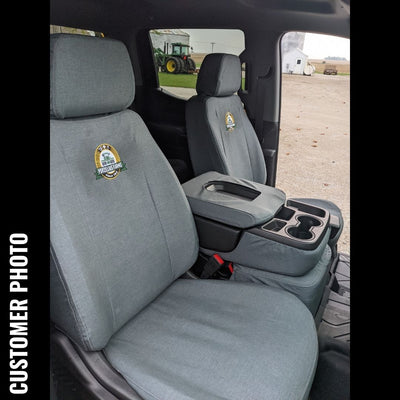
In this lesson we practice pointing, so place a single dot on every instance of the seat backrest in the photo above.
(220, 135)
(120, 226)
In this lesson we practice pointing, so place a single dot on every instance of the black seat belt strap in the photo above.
(259, 114)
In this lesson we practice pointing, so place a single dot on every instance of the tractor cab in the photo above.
(179, 49)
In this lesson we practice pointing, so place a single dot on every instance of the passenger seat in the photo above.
(220, 135)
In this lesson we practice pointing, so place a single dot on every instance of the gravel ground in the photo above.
(314, 146)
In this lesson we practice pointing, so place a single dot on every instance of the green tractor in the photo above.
(178, 62)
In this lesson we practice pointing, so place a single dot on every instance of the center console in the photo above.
(256, 224)
(268, 238)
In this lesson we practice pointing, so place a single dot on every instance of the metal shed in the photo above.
(294, 61)
(162, 38)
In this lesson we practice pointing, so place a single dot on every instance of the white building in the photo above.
(295, 61)
(162, 38)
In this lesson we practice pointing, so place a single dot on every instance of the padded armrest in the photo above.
(232, 201)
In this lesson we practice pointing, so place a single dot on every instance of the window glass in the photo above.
(244, 77)
(314, 146)
(178, 54)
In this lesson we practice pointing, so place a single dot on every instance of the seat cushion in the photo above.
(218, 340)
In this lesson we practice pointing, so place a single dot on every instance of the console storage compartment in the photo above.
(231, 201)
(268, 238)
(254, 225)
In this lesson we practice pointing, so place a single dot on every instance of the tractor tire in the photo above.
(173, 65)
(182, 65)
(191, 64)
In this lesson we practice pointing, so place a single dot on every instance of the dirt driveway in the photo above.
(314, 147)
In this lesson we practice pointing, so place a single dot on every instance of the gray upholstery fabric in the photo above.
(105, 232)
(208, 340)
(230, 209)
(257, 252)
(220, 75)
(308, 287)
(214, 148)
(83, 81)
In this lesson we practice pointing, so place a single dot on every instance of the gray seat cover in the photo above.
(230, 209)
(308, 288)
(191, 344)
(118, 246)
(214, 147)
(118, 242)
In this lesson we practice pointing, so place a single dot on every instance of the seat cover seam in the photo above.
(161, 224)
(78, 320)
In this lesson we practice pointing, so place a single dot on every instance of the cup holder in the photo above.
(308, 221)
(299, 232)
(302, 231)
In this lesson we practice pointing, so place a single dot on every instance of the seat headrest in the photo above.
(88, 76)
(220, 75)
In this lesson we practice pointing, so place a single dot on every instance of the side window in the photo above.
(178, 54)
(314, 145)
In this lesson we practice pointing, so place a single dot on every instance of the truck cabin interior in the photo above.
(174, 274)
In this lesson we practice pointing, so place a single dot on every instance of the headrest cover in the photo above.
(220, 75)
(88, 76)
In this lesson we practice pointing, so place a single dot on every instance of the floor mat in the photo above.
(332, 378)
(336, 317)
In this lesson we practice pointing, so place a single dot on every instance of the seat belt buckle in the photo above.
(217, 268)
(225, 272)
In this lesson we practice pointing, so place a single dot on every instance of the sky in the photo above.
(227, 41)
(321, 46)
(315, 46)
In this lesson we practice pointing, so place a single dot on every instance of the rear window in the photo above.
(178, 54)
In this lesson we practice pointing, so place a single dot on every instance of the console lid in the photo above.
(232, 201)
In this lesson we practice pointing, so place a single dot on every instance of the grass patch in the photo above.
(177, 80)
(180, 80)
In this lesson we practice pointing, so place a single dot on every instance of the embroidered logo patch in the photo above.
(229, 122)
(108, 162)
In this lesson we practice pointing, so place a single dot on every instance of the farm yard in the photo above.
(314, 147)
(343, 67)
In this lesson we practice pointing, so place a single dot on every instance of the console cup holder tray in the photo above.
(303, 230)
(297, 224)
